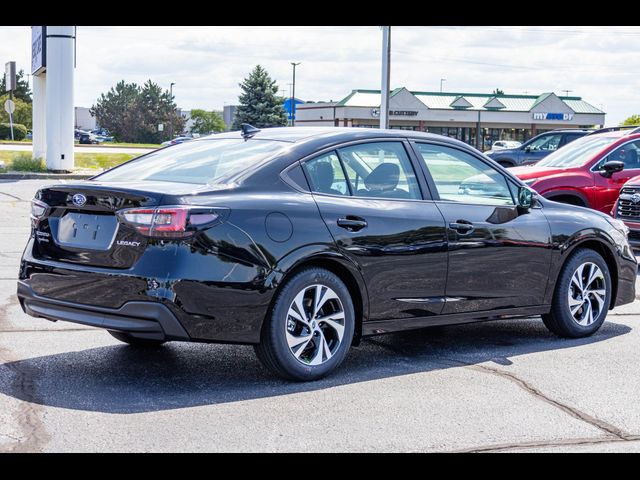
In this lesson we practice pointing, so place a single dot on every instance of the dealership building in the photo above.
(458, 115)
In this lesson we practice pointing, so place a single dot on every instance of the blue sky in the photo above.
(207, 63)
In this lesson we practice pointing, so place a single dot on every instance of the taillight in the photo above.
(38, 211)
(170, 222)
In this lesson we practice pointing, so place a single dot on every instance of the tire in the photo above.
(317, 347)
(135, 342)
(572, 315)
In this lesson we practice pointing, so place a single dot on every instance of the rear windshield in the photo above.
(204, 162)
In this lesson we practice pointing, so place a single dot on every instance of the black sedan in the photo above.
(301, 241)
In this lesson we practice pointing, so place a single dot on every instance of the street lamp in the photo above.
(442, 80)
(171, 119)
(293, 96)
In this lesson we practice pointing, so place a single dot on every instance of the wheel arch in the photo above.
(605, 251)
(345, 270)
(556, 195)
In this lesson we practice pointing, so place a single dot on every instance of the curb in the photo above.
(46, 176)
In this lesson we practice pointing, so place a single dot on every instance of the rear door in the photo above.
(381, 217)
(499, 257)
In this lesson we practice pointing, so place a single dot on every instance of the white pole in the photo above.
(386, 61)
(39, 104)
(60, 113)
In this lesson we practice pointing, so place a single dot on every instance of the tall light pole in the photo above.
(171, 119)
(293, 96)
(442, 80)
(386, 73)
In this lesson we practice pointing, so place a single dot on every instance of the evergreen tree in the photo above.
(260, 105)
(21, 92)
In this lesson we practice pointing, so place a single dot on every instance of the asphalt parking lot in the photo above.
(497, 386)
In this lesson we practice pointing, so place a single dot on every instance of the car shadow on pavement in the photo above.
(121, 379)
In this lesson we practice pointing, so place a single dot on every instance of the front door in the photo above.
(372, 202)
(608, 188)
(499, 256)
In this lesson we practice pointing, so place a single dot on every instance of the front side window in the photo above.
(629, 154)
(547, 143)
(381, 170)
(460, 177)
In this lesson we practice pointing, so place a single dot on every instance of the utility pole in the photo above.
(171, 119)
(292, 107)
(386, 71)
(566, 92)
(441, 81)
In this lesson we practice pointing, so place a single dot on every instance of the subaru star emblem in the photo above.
(79, 199)
(635, 198)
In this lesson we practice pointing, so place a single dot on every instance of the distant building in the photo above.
(83, 119)
(458, 115)
(228, 115)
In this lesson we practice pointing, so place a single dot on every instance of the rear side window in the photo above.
(326, 175)
(205, 162)
(381, 170)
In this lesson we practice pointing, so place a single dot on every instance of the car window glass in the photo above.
(381, 169)
(326, 175)
(629, 154)
(460, 177)
(547, 143)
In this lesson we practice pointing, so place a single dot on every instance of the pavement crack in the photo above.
(569, 410)
(18, 199)
(500, 447)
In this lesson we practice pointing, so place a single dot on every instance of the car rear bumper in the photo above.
(150, 320)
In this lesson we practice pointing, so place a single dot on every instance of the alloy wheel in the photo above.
(587, 294)
(315, 325)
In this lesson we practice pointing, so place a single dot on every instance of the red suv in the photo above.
(589, 171)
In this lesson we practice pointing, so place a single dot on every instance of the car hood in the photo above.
(529, 172)
(501, 151)
(633, 181)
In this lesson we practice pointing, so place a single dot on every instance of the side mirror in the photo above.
(525, 198)
(610, 167)
(527, 148)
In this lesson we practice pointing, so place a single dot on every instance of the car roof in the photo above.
(300, 134)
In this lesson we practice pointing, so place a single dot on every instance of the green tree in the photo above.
(632, 120)
(22, 87)
(21, 115)
(260, 104)
(132, 113)
(497, 91)
(206, 122)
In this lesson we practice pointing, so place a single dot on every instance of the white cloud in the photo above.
(207, 63)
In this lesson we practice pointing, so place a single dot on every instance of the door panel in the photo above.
(608, 188)
(503, 261)
(499, 255)
(401, 252)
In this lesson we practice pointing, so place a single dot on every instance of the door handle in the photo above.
(352, 223)
(462, 226)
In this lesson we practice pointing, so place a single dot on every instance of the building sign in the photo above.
(38, 49)
(565, 117)
(375, 113)
(405, 113)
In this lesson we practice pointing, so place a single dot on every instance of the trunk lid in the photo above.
(81, 226)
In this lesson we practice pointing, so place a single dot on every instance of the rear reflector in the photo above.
(169, 222)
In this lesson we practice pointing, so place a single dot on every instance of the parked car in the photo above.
(536, 148)
(627, 209)
(102, 135)
(176, 141)
(588, 172)
(504, 144)
(88, 138)
(302, 240)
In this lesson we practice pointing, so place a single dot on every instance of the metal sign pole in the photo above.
(11, 114)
